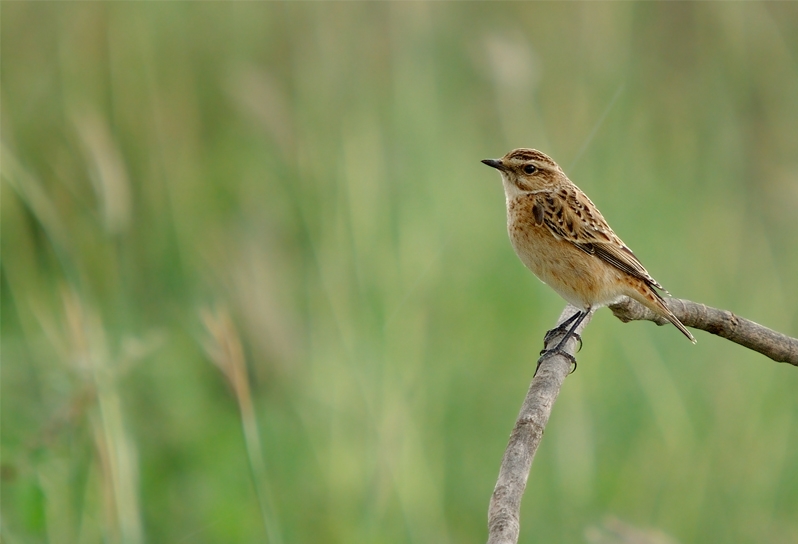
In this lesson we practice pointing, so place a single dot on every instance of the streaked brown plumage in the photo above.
(560, 235)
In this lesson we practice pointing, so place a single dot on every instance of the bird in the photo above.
(560, 235)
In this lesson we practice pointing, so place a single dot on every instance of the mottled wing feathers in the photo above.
(537, 213)
(622, 258)
(570, 215)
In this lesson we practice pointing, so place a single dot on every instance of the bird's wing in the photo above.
(570, 215)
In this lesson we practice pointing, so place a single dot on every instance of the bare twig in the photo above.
(779, 347)
(505, 503)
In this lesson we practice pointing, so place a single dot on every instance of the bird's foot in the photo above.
(568, 329)
(562, 327)
(546, 353)
(559, 330)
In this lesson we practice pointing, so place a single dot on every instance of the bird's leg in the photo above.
(561, 327)
(574, 321)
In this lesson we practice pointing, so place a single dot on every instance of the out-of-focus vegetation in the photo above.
(293, 192)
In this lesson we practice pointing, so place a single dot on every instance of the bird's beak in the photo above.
(494, 163)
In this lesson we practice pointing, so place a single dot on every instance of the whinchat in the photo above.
(560, 235)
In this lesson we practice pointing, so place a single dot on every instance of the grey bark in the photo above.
(779, 347)
(505, 503)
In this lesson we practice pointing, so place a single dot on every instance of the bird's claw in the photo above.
(550, 334)
(556, 351)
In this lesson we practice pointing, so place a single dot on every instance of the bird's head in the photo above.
(525, 170)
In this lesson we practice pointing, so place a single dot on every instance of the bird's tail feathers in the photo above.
(657, 304)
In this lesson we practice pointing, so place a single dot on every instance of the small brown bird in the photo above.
(560, 235)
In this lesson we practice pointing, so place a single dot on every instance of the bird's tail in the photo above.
(654, 301)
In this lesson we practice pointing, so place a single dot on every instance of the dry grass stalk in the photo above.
(225, 350)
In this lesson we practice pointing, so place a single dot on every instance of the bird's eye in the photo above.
(530, 168)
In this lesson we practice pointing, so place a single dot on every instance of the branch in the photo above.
(779, 347)
(505, 503)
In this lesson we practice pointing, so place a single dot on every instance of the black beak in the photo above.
(494, 163)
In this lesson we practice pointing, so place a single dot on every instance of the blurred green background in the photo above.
(255, 279)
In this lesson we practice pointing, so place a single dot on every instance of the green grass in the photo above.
(313, 170)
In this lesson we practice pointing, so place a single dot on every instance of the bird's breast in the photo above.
(580, 278)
